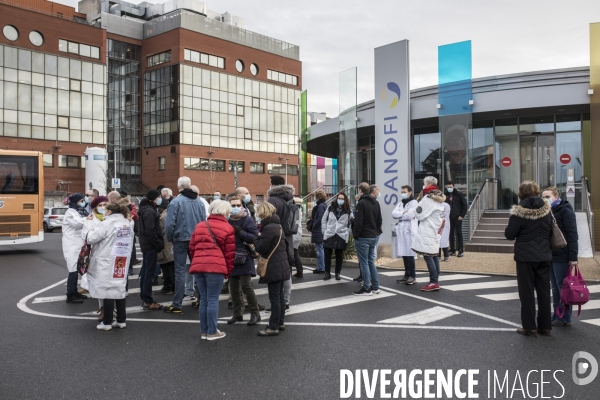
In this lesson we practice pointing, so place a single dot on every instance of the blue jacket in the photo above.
(318, 211)
(183, 214)
(567, 222)
(248, 233)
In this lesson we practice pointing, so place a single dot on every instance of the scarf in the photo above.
(99, 216)
(72, 201)
(555, 203)
(239, 216)
(405, 201)
(429, 189)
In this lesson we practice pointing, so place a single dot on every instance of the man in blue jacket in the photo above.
(183, 214)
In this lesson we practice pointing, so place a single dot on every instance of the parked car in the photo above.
(53, 218)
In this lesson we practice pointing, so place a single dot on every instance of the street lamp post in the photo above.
(286, 169)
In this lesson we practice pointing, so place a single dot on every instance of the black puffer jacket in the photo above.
(150, 232)
(367, 218)
(316, 235)
(278, 196)
(567, 222)
(278, 268)
(530, 224)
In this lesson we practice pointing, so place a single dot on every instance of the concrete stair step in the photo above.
(496, 214)
(483, 233)
(489, 240)
(490, 248)
(491, 227)
(495, 221)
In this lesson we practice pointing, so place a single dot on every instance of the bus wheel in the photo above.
(46, 228)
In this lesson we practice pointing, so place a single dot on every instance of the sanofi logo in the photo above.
(395, 89)
(580, 368)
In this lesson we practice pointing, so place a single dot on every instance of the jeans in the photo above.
(287, 290)
(242, 284)
(558, 273)
(189, 284)
(320, 256)
(180, 254)
(147, 276)
(109, 306)
(366, 258)
(456, 230)
(277, 304)
(299, 267)
(433, 265)
(72, 283)
(409, 267)
(209, 286)
(530, 277)
(339, 259)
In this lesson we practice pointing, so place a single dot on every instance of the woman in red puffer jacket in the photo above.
(212, 250)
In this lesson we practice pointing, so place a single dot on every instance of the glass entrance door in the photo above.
(538, 159)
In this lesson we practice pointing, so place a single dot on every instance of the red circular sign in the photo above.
(565, 159)
(506, 162)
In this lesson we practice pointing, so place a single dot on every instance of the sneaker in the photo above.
(430, 287)
(102, 327)
(203, 335)
(120, 325)
(403, 280)
(164, 291)
(411, 281)
(460, 254)
(173, 309)
(216, 336)
(136, 262)
(78, 295)
(557, 322)
(317, 271)
(362, 292)
(282, 327)
(268, 332)
(446, 259)
(153, 306)
(298, 275)
(261, 307)
(376, 291)
(190, 298)
(196, 304)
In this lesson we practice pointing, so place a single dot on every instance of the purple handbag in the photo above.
(574, 291)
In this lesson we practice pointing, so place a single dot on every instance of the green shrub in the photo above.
(350, 249)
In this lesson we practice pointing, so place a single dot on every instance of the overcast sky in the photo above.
(508, 36)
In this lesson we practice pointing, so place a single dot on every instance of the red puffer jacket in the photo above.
(208, 258)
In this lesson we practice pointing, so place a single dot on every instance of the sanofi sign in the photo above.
(392, 128)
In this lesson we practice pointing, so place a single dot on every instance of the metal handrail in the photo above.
(587, 204)
(480, 203)
(344, 190)
(311, 193)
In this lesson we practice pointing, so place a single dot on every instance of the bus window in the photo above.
(19, 175)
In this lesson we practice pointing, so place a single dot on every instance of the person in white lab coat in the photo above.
(406, 228)
(111, 242)
(72, 242)
(445, 239)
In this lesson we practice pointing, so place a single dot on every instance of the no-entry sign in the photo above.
(506, 162)
(565, 159)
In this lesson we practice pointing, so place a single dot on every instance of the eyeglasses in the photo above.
(90, 195)
(236, 205)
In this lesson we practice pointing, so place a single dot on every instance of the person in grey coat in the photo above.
(336, 232)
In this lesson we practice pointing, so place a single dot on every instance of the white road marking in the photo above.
(400, 273)
(480, 285)
(500, 296)
(423, 317)
(590, 305)
(589, 321)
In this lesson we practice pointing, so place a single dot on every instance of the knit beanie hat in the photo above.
(152, 194)
(98, 200)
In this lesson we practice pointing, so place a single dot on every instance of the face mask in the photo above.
(549, 201)
(236, 210)
(81, 204)
(378, 195)
(86, 199)
(215, 197)
(404, 196)
(247, 199)
(340, 202)
(450, 190)
(258, 220)
(100, 210)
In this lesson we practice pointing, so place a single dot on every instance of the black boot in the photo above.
(327, 276)
(71, 298)
(80, 296)
(235, 319)
(253, 320)
(337, 276)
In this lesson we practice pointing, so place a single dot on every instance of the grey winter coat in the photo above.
(336, 231)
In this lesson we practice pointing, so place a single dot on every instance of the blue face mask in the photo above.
(86, 199)
(81, 204)
(100, 210)
(159, 201)
(340, 202)
(215, 197)
(450, 190)
(247, 199)
(258, 220)
(404, 196)
(236, 210)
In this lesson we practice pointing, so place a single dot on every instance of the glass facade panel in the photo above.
(427, 143)
(536, 124)
(508, 176)
(569, 143)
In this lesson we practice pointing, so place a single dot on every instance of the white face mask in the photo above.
(450, 190)
(100, 210)
(404, 196)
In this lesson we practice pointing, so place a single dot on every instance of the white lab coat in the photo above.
(84, 232)
(72, 242)
(429, 214)
(103, 281)
(445, 239)
(405, 228)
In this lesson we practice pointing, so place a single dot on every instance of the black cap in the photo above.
(152, 194)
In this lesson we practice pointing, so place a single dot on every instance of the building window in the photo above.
(239, 66)
(77, 48)
(10, 33)
(204, 164)
(240, 166)
(48, 160)
(160, 58)
(203, 58)
(36, 38)
(162, 163)
(282, 77)
(75, 85)
(70, 162)
(257, 168)
(279, 169)
(254, 69)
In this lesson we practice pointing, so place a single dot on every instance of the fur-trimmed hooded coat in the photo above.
(429, 214)
(530, 225)
(278, 195)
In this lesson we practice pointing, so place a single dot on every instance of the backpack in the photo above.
(289, 217)
(574, 291)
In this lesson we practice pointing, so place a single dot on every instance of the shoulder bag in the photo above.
(557, 240)
(261, 268)
(213, 237)
(574, 291)
(83, 261)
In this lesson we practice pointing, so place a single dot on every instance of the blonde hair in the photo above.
(220, 207)
(553, 190)
(320, 195)
(265, 210)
